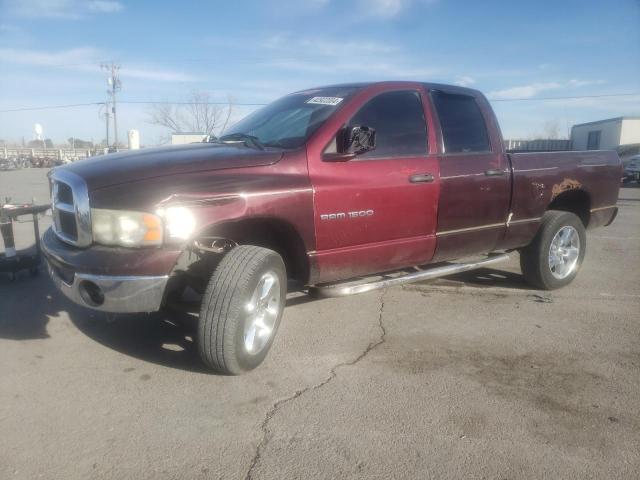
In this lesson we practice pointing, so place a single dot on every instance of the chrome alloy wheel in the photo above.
(564, 252)
(262, 313)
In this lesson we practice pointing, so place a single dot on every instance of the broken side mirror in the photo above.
(352, 141)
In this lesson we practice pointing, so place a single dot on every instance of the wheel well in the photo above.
(574, 201)
(273, 234)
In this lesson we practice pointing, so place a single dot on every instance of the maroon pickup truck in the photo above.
(322, 190)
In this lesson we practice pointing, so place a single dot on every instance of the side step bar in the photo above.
(353, 287)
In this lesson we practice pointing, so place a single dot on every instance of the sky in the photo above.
(256, 51)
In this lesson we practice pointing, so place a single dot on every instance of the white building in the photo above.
(606, 134)
(180, 138)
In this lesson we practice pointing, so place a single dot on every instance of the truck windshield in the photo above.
(291, 120)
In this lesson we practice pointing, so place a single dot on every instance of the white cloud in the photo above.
(105, 6)
(584, 83)
(386, 9)
(61, 9)
(531, 90)
(388, 70)
(74, 56)
(313, 46)
(88, 59)
(352, 56)
(465, 81)
(353, 47)
(158, 75)
(524, 91)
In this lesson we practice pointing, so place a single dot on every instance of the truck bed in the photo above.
(540, 177)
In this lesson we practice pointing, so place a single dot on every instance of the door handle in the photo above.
(421, 178)
(494, 173)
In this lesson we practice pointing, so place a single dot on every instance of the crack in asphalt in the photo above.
(332, 374)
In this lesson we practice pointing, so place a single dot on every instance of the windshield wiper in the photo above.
(248, 140)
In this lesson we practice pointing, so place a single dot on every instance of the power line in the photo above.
(50, 107)
(141, 102)
(149, 102)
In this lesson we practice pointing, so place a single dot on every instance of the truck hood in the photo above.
(120, 168)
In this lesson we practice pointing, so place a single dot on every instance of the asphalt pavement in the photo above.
(473, 376)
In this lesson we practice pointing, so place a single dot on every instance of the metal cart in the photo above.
(12, 261)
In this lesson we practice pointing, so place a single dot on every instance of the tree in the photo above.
(77, 143)
(46, 143)
(552, 129)
(199, 114)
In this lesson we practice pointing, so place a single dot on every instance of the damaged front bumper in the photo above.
(111, 291)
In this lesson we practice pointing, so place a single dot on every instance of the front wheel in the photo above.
(241, 309)
(555, 254)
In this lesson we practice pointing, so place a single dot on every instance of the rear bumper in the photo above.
(111, 293)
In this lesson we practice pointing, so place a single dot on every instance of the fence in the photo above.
(48, 153)
(544, 145)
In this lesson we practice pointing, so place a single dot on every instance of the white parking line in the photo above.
(614, 238)
(630, 295)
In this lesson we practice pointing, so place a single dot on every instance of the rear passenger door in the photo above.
(474, 177)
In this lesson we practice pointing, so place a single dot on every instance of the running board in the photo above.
(353, 287)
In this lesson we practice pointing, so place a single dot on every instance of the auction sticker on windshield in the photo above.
(325, 100)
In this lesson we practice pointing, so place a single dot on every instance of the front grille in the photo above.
(65, 194)
(67, 224)
(70, 207)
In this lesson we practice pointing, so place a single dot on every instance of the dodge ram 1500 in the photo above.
(324, 189)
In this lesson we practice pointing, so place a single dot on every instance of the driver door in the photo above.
(377, 212)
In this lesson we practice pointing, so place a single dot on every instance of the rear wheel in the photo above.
(241, 309)
(554, 256)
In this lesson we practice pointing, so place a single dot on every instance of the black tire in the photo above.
(534, 258)
(223, 313)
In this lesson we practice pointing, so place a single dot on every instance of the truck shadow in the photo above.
(26, 304)
(166, 338)
(485, 278)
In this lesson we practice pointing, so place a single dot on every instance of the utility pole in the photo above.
(104, 114)
(106, 122)
(113, 80)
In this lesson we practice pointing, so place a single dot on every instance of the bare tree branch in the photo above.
(199, 114)
(230, 103)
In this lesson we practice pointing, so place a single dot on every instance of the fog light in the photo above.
(91, 293)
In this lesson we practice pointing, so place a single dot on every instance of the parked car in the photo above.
(632, 170)
(319, 189)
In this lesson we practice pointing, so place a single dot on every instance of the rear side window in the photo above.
(463, 127)
(398, 118)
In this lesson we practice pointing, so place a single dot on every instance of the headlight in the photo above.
(126, 228)
(179, 222)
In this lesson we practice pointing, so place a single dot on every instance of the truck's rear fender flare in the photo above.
(576, 201)
(268, 232)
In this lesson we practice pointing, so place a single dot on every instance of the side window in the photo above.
(593, 140)
(463, 127)
(398, 119)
